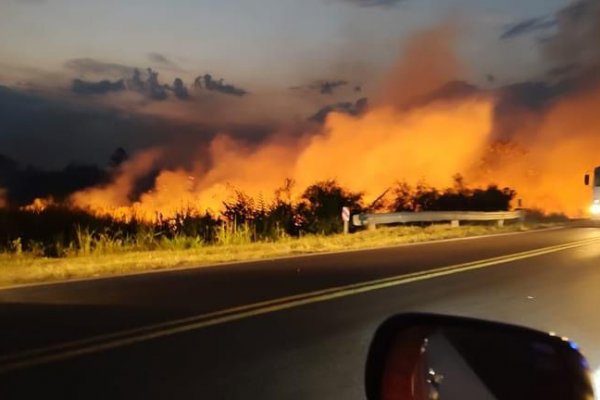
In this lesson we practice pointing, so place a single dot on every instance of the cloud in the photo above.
(577, 37)
(179, 89)
(101, 87)
(529, 26)
(50, 130)
(349, 108)
(163, 61)
(327, 87)
(93, 66)
(323, 87)
(149, 87)
(453, 90)
(218, 86)
(159, 58)
(373, 3)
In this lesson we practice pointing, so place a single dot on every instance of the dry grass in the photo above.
(19, 269)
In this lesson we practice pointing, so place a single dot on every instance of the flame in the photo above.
(39, 205)
(368, 153)
(546, 166)
(371, 152)
(543, 160)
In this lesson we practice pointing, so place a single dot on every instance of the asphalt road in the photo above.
(308, 346)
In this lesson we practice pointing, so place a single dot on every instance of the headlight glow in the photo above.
(595, 208)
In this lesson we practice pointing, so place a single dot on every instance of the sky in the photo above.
(258, 42)
(249, 93)
(68, 82)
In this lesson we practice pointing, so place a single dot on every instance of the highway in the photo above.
(293, 328)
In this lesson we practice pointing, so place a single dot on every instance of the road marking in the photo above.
(271, 259)
(96, 344)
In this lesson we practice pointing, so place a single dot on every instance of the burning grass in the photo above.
(59, 242)
(104, 259)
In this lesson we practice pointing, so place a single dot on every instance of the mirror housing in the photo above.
(586, 179)
(430, 357)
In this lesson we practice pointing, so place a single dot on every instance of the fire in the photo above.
(546, 166)
(368, 153)
(543, 159)
(371, 153)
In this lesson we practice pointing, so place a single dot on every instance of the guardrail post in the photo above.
(455, 223)
(500, 223)
(522, 218)
(371, 226)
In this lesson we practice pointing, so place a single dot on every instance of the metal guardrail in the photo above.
(454, 217)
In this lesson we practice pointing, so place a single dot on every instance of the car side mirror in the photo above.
(586, 179)
(431, 357)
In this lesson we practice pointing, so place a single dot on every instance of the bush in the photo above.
(321, 205)
(57, 231)
(457, 198)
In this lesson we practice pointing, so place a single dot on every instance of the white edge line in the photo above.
(268, 259)
(128, 337)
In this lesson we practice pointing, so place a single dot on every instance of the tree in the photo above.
(404, 198)
(322, 204)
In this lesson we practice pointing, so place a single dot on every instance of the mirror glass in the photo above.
(471, 360)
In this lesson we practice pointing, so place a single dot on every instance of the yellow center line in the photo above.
(128, 337)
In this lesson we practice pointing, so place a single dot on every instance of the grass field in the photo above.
(26, 268)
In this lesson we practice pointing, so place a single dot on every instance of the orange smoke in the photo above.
(427, 63)
(543, 163)
(367, 153)
(372, 152)
(546, 165)
(114, 199)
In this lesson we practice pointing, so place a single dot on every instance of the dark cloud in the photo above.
(529, 26)
(179, 89)
(155, 90)
(373, 3)
(453, 90)
(163, 61)
(577, 38)
(327, 87)
(50, 131)
(101, 87)
(535, 96)
(24, 184)
(147, 85)
(92, 66)
(350, 108)
(207, 82)
(323, 87)
(159, 58)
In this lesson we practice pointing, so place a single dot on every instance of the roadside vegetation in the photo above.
(60, 242)
(28, 268)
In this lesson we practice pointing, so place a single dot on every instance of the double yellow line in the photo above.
(96, 344)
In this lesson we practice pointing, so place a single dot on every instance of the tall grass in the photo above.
(59, 231)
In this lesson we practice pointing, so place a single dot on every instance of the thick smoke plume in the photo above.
(424, 125)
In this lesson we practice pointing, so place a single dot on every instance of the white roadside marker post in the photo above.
(346, 219)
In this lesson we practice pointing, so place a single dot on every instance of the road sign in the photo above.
(346, 219)
(345, 214)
